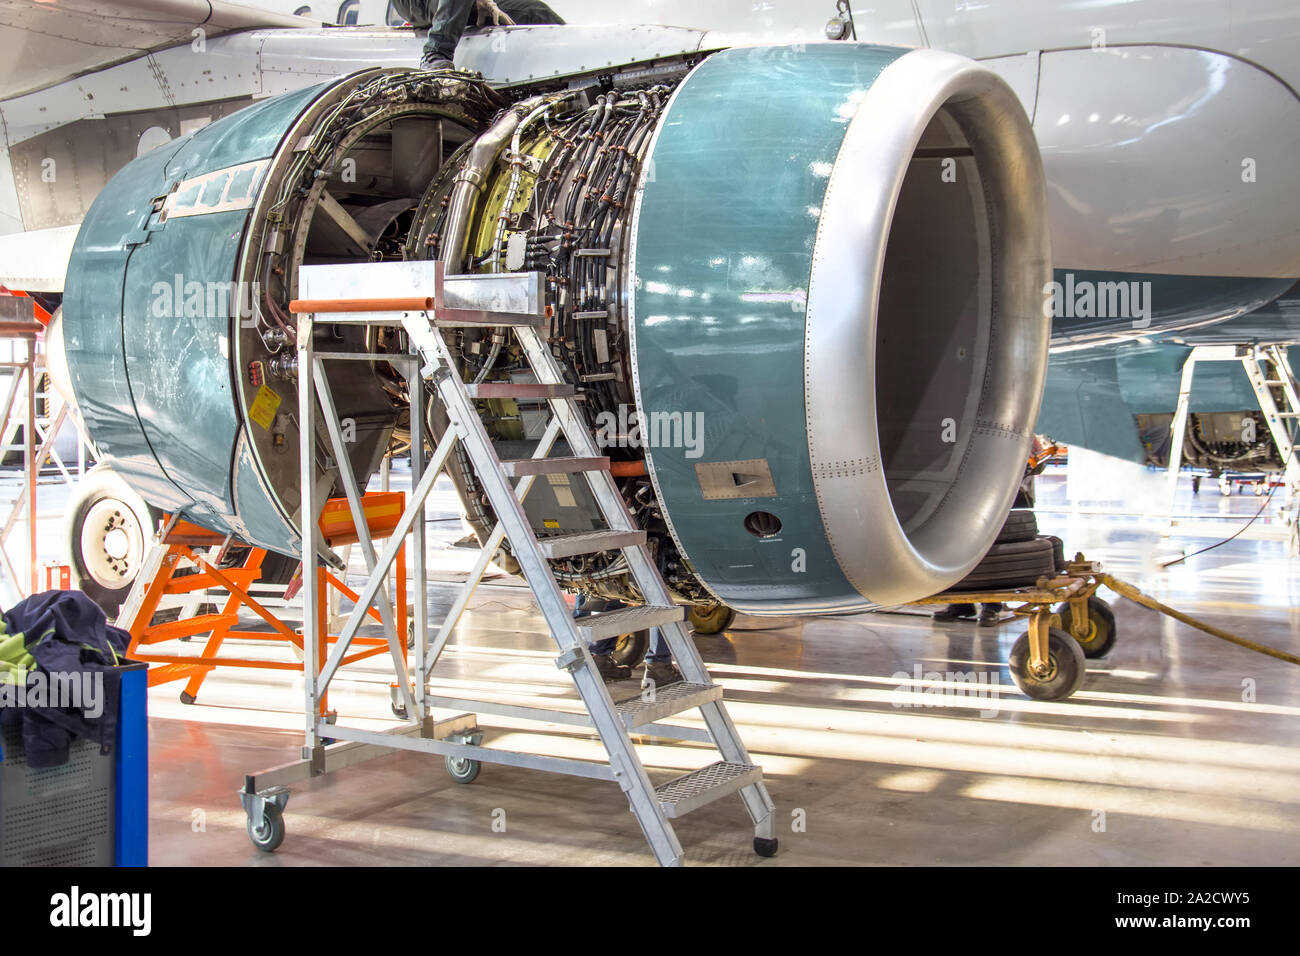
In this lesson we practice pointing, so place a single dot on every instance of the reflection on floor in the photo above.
(1179, 749)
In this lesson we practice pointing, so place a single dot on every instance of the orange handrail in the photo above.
(412, 304)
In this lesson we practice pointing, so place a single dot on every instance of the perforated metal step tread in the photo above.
(517, 467)
(701, 787)
(588, 542)
(519, 390)
(672, 699)
(613, 623)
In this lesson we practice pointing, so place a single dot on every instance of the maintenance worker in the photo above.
(660, 671)
(447, 20)
(990, 614)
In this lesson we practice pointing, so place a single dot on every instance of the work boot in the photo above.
(610, 671)
(660, 674)
(990, 616)
(955, 612)
(430, 61)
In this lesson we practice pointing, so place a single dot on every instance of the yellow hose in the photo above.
(1124, 589)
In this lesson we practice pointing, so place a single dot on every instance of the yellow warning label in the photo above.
(551, 523)
(264, 407)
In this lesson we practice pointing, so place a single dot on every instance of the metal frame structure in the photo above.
(19, 329)
(398, 294)
(1042, 604)
(1045, 604)
(1269, 370)
(176, 548)
(19, 411)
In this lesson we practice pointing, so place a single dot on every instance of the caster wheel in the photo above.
(1101, 627)
(463, 769)
(711, 619)
(765, 847)
(399, 710)
(1066, 667)
(270, 834)
(187, 698)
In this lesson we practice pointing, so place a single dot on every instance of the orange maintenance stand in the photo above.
(181, 539)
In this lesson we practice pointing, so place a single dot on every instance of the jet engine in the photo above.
(798, 289)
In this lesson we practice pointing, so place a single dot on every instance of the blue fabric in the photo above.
(67, 633)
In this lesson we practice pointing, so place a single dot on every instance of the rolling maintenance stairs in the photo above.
(1269, 370)
(654, 807)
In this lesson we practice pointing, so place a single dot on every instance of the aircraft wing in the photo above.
(47, 41)
(36, 261)
(1094, 394)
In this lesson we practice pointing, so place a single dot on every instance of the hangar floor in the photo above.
(1178, 750)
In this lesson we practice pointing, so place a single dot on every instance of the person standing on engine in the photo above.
(447, 20)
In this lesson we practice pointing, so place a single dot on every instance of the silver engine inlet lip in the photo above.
(884, 562)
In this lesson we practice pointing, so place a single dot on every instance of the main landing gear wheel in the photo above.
(631, 648)
(1061, 677)
(1101, 632)
(711, 618)
(108, 529)
(269, 834)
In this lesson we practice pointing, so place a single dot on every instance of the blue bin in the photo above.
(93, 810)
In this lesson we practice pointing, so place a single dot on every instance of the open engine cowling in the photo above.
(799, 289)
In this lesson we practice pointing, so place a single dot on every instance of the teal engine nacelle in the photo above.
(799, 287)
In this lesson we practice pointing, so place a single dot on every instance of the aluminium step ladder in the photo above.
(1269, 370)
(653, 806)
(397, 294)
(1273, 381)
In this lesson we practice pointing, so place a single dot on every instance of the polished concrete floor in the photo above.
(1179, 749)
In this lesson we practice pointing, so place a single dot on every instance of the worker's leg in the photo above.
(448, 23)
(528, 12)
(659, 668)
(418, 13)
(602, 650)
(955, 612)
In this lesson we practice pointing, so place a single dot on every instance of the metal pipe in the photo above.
(469, 181)
(412, 304)
(516, 174)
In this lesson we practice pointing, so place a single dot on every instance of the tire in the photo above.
(1013, 564)
(463, 769)
(1021, 525)
(278, 568)
(711, 618)
(270, 835)
(630, 649)
(1067, 667)
(1101, 627)
(1058, 553)
(108, 529)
